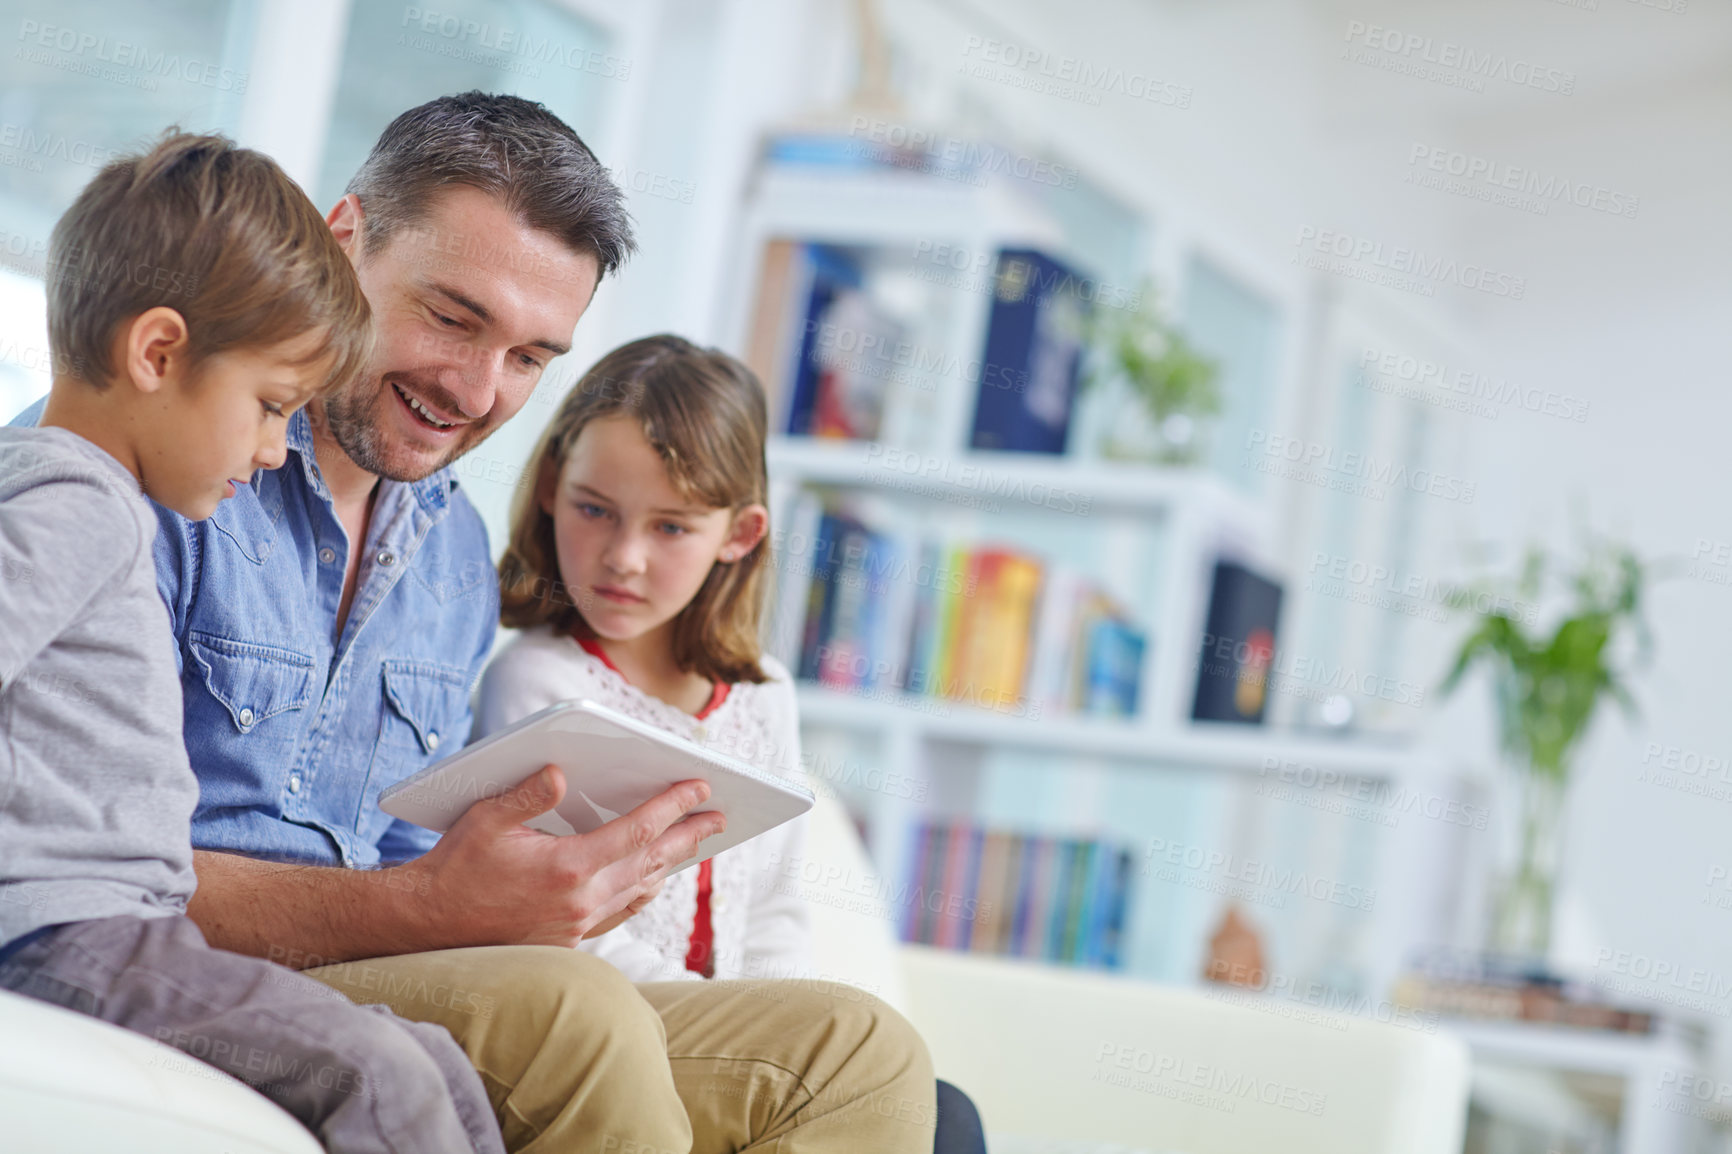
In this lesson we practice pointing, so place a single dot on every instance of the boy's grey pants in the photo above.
(359, 1077)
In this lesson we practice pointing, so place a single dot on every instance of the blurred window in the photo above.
(395, 57)
(86, 80)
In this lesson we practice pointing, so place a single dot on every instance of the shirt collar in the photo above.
(432, 492)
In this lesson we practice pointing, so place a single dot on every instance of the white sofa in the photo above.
(1059, 1061)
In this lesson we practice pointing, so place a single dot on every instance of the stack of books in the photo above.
(864, 608)
(1054, 899)
(1486, 986)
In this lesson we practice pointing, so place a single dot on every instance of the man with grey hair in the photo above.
(331, 619)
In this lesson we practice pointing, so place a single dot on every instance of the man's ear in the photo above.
(153, 348)
(347, 221)
(749, 527)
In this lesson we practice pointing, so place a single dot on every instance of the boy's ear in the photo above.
(153, 348)
(749, 527)
(346, 220)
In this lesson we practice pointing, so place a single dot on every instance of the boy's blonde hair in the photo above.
(216, 232)
(704, 413)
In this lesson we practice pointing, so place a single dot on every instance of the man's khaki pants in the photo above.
(577, 1058)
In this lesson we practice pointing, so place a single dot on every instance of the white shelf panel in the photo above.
(1011, 478)
(1190, 747)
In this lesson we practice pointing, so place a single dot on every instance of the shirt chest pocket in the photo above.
(254, 687)
(424, 705)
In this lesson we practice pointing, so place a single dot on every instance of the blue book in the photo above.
(1102, 879)
(1034, 341)
(1114, 670)
(818, 599)
(920, 847)
(970, 891)
(1112, 935)
(1030, 847)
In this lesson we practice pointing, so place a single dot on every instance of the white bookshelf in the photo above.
(926, 478)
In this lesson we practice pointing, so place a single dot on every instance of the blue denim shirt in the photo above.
(293, 731)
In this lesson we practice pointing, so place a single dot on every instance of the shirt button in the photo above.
(386, 557)
(294, 783)
(246, 717)
(432, 740)
(327, 554)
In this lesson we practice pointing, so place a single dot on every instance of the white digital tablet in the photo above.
(612, 765)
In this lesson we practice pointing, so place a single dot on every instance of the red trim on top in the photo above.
(593, 647)
(718, 692)
(700, 950)
(700, 953)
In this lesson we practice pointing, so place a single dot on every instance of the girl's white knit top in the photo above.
(760, 927)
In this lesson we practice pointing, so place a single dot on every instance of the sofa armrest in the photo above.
(71, 1083)
(1074, 1055)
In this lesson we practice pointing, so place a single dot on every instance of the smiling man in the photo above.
(332, 618)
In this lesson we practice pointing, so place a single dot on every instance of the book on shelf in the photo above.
(1237, 658)
(814, 331)
(1033, 355)
(861, 607)
(994, 892)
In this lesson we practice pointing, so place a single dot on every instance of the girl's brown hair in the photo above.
(704, 413)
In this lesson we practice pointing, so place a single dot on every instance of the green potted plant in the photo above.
(1174, 386)
(1548, 686)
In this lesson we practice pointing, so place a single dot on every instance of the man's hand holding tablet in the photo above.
(570, 769)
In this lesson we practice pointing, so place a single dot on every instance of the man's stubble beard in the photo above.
(354, 416)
